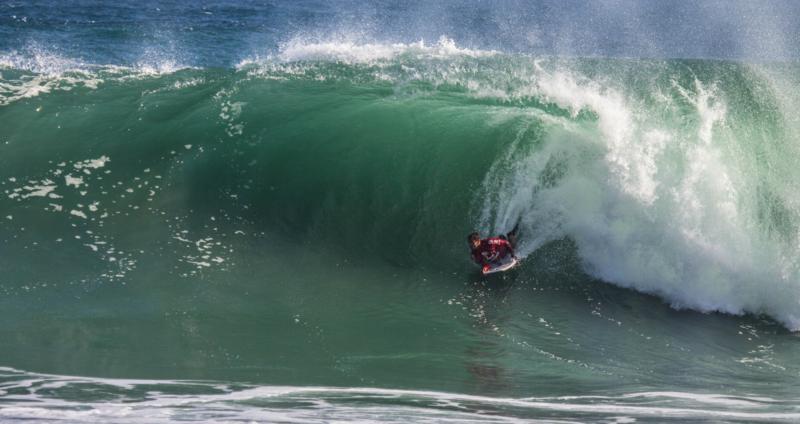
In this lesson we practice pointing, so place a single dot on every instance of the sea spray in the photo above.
(664, 206)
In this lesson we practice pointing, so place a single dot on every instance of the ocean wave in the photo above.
(653, 168)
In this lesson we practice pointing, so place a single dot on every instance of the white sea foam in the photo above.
(77, 213)
(73, 181)
(48, 71)
(44, 188)
(36, 398)
(92, 163)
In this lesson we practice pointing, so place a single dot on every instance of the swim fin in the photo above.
(511, 236)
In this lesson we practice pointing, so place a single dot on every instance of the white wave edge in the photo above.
(301, 50)
(33, 406)
(52, 73)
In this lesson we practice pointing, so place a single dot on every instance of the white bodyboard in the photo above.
(504, 265)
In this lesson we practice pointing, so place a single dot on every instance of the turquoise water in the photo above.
(281, 238)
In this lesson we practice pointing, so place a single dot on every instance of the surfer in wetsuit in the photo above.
(491, 251)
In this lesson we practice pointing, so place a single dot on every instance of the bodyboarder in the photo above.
(493, 251)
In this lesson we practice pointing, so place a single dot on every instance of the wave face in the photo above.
(271, 227)
(671, 177)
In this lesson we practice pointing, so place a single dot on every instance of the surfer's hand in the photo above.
(485, 269)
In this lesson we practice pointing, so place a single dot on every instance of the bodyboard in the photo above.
(504, 265)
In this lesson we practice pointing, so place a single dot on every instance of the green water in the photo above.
(301, 223)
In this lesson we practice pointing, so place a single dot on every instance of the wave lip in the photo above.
(351, 52)
(37, 71)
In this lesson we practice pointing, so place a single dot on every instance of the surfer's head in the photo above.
(474, 240)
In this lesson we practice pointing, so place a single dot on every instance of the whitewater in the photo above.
(242, 212)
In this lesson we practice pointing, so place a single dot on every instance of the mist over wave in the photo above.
(222, 33)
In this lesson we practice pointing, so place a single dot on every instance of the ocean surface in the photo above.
(256, 211)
